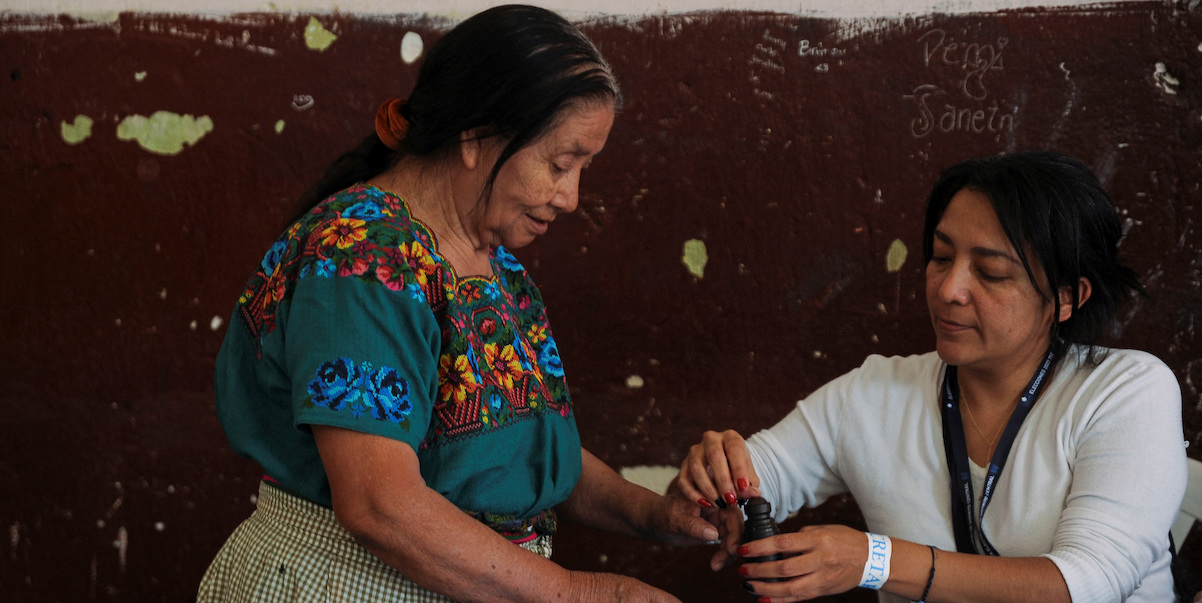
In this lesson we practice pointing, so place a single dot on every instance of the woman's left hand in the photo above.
(820, 560)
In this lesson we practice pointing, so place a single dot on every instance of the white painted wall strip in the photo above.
(577, 9)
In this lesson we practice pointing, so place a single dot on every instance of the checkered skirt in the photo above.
(292, 551)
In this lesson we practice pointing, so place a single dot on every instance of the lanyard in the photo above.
(964, 517)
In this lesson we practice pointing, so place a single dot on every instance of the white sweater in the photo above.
(1093, 482)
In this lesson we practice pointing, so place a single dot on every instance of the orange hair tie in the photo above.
(391, 126)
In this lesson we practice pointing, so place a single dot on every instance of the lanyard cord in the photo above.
(964, 516)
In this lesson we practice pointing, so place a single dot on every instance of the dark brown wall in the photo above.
(797, 149)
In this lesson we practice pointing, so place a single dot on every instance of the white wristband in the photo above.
(876, 569)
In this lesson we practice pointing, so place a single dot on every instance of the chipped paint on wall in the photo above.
(279, 127)
(78, 130)
(1165, 80)
(164, 133)
(695, 257)
(655, 478)
(411, 47)
(317, 37)
(896, 257)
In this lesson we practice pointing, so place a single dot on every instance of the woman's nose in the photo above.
(568, 196)
(954, 286)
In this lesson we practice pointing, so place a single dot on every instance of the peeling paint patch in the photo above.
(317, 37)
(122, 546)
(411, 47)
(896, 257)
(164, 133)
(655, 478)
(139, 76)
(634, 382)
(1165, 80)
(215, 323)
(279, 127)
(77, 131)
(695, 257)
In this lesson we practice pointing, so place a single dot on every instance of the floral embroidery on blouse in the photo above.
(362, 389)
(498, 361)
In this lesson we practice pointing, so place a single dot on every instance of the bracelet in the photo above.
(930, 579)
(876, 569)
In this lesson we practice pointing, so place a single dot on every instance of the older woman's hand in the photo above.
(718, 469)
(590, 587)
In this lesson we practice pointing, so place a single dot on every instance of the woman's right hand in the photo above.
(718, 471)
(593, 587)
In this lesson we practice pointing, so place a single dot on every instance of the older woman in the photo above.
(392, 369)
(1019, 461)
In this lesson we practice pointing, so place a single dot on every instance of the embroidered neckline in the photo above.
(456, 280)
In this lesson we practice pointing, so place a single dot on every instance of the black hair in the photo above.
(1052, 205)
(510, 71)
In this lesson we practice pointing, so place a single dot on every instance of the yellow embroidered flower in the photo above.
(456, 378)
(536, 333)
(344, 232)
(419, 259)
(504, 364)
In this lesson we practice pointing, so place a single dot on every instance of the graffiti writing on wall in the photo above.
(960, 101)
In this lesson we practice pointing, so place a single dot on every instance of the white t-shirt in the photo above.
(1093, 482)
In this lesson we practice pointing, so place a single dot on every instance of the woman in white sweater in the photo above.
(1019, 461)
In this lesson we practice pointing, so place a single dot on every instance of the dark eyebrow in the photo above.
(987, 252)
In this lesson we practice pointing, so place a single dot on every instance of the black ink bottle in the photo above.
(759, 524)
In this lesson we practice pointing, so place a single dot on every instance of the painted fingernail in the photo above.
(764, 600)
(743, 571)
(705, 503)
(749, 588)
(744, 551)
(742, 484)
(731, 498)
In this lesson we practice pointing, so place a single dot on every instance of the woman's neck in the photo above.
(437, 199)
(998, 388)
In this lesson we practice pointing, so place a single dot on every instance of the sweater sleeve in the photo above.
(1129, 474)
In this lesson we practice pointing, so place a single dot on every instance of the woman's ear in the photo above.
(470, 148)
(1084, 289)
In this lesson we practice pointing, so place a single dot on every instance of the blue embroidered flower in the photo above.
(334, 387)
(549, 358)
(364, 210)
(388, 395)
(274, 255)
(520, 351)
(492, 290)
(495, 402)
(471, 360)
(508, 261)
(326, 267)
(306, 270)
(416, 292)
(381, 393)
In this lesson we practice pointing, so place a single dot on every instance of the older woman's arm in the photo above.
(381, 499)
(607, 501)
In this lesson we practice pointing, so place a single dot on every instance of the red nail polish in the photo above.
(705, 503)
(744, 551)
(731, 499)
(742, 484)
(764, 600)
(743, 571)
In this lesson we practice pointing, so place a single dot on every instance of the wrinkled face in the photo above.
(986, 312)
(542, 180)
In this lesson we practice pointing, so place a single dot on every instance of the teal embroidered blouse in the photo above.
(354, 320)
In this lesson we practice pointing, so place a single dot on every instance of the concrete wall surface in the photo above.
(751, 231)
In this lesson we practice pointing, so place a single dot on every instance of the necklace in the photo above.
(992, 441)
